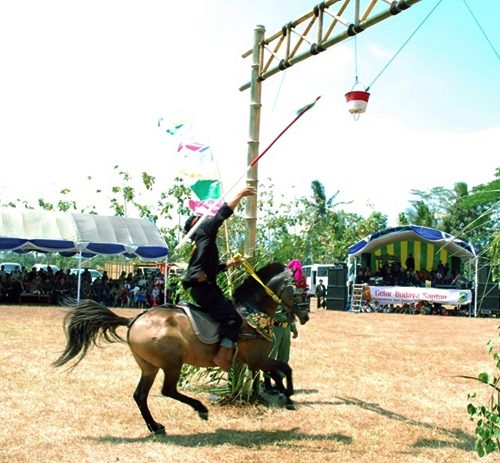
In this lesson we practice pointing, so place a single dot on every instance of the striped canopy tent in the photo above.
(428, 246)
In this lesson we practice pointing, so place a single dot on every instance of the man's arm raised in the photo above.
(247, 191)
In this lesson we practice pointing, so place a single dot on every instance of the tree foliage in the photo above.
(487, 417)
(469, 214)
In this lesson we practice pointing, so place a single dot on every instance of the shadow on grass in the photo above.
(461, 440)
(247, 439)
(306, 391)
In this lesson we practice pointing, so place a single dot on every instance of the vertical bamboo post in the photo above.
(253, 142)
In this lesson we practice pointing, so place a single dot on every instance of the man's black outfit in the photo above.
(201, 275)
(320, 295)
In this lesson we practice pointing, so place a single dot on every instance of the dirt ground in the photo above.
(369, 388)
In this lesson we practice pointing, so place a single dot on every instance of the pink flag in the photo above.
(195, 147)
(201, 207)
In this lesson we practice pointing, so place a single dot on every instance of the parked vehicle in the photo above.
(10, 266)
(45, 267)
(93, 272)
(314, 273)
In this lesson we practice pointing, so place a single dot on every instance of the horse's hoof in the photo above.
(271, 391)
(160, 431)
(290, 406)
(203, 415)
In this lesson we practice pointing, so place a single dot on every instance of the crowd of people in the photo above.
(134, 289)
(394, 274)
(416, 308)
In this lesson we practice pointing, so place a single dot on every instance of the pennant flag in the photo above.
(198, 167)
(201, 207)
(196, 147)
(207, 189)
(174, 129)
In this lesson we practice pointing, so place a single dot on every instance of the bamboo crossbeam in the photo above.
(291, 58)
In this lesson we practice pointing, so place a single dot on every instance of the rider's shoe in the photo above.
(224, 358)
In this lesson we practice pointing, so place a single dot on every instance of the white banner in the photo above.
(399, 294)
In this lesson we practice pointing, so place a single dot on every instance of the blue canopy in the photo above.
(25, 230)
(452, 245)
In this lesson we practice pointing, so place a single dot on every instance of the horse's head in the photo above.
(278, 278)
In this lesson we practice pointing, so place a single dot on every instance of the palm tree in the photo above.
(419, 214)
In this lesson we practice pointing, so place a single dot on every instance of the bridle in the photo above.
(291, 308)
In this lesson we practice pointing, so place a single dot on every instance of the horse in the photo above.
(163, 338)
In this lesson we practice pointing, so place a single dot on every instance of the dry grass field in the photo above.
(370, 388)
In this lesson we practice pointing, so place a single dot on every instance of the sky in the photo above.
(83, 85)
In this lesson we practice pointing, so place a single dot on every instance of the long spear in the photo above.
(300, 113)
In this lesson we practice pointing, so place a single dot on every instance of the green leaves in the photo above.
(487, 416)
(484, 378)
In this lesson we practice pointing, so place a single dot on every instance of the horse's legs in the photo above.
(169, 389)
(141, 395)
(278, 380)
(277, 377)
(282, 370)
(255, 356)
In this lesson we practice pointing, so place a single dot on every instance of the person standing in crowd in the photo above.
(201, 276)
(410, 262)
(320, 294)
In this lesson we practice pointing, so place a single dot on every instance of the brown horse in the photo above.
(163, 338)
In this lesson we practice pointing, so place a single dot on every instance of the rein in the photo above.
(238, 257)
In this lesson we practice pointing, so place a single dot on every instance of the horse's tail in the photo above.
(84, 326)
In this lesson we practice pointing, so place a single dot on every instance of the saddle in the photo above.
(206, 328)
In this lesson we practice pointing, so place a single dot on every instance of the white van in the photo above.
(314, 273)
(45, 267)
(95, 274)
(9, 266)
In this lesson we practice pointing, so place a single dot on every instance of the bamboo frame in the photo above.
(312, 32)
(292, 45)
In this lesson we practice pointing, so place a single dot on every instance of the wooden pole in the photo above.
(253, 141)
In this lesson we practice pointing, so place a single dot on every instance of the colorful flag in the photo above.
(201, 207)
(174, 129)
(196, 147)
(198, 167)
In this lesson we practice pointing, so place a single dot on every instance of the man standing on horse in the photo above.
(201, 276)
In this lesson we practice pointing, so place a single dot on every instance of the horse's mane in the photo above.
(250, 285)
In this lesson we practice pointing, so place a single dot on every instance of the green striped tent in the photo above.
(427, 255)
(428, 246)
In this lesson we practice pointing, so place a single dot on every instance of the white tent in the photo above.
(85, 235)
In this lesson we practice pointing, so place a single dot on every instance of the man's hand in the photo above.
(295, 334)
(231, 262)
(247, 191)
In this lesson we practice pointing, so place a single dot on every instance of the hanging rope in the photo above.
(404, 44)
(356, 81)
(278, 93)
(482, 30)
